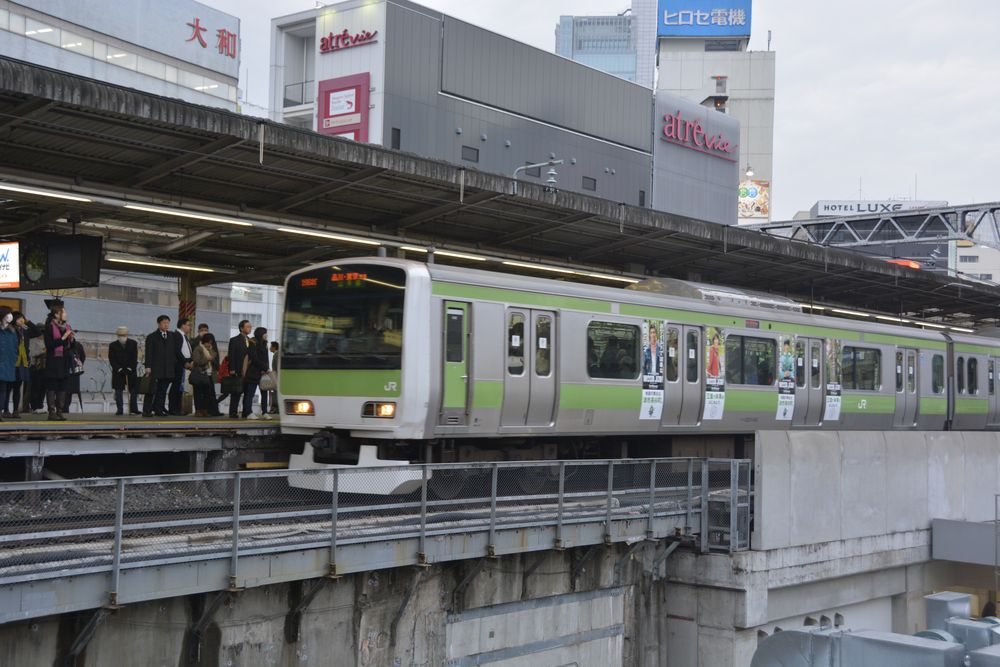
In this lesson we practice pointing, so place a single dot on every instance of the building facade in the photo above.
(602, 42)
(181, 49)
(413, 79)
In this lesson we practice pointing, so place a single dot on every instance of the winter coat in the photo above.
(238, 351)
(8, 354)
(57, 351)
(203, 359)
(161, 354)
(123, 359)
(259, 362)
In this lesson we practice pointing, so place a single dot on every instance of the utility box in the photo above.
(944, 605)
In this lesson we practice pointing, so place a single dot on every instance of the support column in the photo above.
(187, 294)
(33, 467)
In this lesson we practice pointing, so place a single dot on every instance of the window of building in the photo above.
(862, 368)
(750, 360)
(255, 319)
(973, 376)
(589, 183)
(937, 374)
(986, 276)
(960, 375)
(395, 138)
(533, 171)
(515, 344)
(968, 259)
(612, 350)
(470, 154)
(722, 45)
(642, 197)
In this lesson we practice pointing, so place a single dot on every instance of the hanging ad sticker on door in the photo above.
(715, 374)
(786, 382)
(834, 372)
(652, 370)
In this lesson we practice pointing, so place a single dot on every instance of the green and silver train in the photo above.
(389, 361)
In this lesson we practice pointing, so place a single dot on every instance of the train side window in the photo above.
(899, 370)
(693, 363)
(973, 376)
(937, 374)
(454, 335)
(543, 345)
(989, 377)
(613, 350)
(750, 360)
(515, 344)
(960, 379)
(800, 363)
(815, 354)
(673, 352)
(862, 368)
(911, 372)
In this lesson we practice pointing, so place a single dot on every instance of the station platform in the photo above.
(93, 433)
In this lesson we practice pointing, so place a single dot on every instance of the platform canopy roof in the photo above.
(166, 183)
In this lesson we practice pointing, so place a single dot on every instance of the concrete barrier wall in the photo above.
(814, 487)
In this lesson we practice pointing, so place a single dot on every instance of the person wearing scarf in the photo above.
(58, 355)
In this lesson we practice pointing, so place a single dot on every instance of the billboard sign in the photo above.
(10, 265)
(703, 18)
(342, 107)
(755, 200)
(842, 207)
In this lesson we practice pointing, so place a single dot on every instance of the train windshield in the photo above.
(345, 317)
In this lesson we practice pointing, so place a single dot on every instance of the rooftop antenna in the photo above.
(768, 40)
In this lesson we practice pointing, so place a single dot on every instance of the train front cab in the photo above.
(350, 367)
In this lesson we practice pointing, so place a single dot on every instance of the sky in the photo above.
(889, 99)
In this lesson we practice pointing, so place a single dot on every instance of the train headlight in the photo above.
(299, 408)
(379, 410)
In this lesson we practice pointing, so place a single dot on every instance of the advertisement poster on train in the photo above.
(834, 375)
(786, 382)
(652, 370)
(715, 373)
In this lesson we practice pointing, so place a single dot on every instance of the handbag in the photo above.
(268, 381)
(146, 384)
(75, 365)
(232, 384)
(199, 378)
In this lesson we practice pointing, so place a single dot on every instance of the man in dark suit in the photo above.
(161, 365)
(182, 351)
(239, 347)
(123, 355)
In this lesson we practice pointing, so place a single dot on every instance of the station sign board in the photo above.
(10, 265)
(703, 18)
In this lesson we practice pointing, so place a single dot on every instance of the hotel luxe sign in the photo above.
(690, 134)
(345, 40)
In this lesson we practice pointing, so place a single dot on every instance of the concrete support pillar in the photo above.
(197, 461)
(33, 466)
(187, 295)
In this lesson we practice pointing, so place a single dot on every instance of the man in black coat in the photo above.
(239, 346)
(161, 366)
(182, 351)
(123, 355)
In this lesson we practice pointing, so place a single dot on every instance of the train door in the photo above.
(906, 388)
(991, 391)
(455, 379)
(692, 386)
(809, 386)
(673, 375)
(529, 393)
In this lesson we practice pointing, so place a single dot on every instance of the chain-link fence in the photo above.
(58, 528)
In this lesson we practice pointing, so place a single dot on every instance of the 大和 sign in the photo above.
(226, 40)
(10, 265)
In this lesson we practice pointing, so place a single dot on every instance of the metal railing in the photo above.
(298, 93)
(67, 528)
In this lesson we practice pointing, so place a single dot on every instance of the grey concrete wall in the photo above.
(600, 607)
(824, 487)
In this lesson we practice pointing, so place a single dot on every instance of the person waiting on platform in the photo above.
(8, 356)
(59, 337)
(161, 366)
(123, 355)
(204, 376)
(22, 367)
(257, 365)
(238, 359)
(183, 351)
